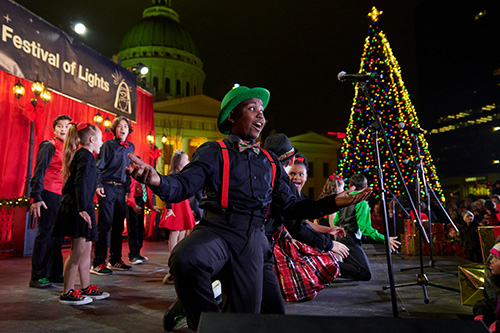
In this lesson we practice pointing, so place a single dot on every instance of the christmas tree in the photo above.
(392, 102)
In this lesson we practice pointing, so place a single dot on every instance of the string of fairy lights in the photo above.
(392, 100)
(25, 201)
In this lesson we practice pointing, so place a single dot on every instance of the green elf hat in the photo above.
(235, 97)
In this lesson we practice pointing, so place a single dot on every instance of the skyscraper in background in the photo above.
(459, 76)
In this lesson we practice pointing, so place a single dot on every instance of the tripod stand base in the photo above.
(431, 265)
(423, 281)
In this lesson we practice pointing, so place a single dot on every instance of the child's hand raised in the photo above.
(344, 198)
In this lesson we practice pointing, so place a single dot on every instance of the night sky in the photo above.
(293, 48)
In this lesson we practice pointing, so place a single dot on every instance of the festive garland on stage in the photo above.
(25, 202)
(14, 202)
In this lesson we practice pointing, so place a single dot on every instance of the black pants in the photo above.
(230, 248)
(356, 265)
(272, 299)
(110, 224)
(47, 259)
(135, 229)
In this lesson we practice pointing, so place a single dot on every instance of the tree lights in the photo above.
(392, 100)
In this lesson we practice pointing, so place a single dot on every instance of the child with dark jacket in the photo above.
(113, 188)
(470, 237)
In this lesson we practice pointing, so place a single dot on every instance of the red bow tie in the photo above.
(124, 144)
(242, 145)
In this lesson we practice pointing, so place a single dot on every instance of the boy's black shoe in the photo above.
(101, 270)
(174, 314)
(119, 266)
(41, 283)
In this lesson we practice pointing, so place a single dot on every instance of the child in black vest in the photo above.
(75, 217)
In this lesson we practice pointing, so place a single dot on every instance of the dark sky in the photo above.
(293, 48)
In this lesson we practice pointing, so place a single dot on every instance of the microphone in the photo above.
(360, 77)
(416, 130)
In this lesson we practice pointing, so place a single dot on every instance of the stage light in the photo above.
(140, 69)
(79, 28)
(144, 70)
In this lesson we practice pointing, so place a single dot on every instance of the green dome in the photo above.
(159, 27)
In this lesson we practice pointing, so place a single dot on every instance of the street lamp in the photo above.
(39, 91)
(107, 123)
(151, 139)
(98, 118)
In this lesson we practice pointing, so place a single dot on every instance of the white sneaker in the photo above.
(135, 261)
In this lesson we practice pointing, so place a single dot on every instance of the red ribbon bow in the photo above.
(79, 126)
(334, 176)
(124, 144)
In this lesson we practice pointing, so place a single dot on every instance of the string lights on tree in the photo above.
(392, 100)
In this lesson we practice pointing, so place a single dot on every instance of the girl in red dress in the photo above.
(178, 217)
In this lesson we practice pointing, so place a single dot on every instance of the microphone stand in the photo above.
(378, 127)
(395, 199)
(427, 190)
(422, 279)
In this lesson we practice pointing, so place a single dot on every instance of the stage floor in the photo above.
(139, 298)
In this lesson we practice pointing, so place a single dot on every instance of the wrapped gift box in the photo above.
(411, 238)
(471, 277)
(487, 238)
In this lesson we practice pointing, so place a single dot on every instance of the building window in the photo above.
(310, 172)
(167, 85)
(187, 89)
(310, 192)
(178, 87)
(326, 170)
(155, 83)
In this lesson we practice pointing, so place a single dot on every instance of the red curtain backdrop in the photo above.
(15, 129)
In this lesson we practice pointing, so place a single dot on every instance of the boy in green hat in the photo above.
(229, 242)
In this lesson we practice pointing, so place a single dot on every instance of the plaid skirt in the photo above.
(303, 271)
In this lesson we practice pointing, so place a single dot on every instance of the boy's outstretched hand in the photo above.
(343, 199)
(142, 172)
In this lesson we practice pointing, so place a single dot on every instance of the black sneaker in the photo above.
(101, 270)
(74, 297)
(94, 292)
(41, 283)
(119, 266)
(174, 314)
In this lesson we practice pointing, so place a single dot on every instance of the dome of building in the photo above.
(159, 42)
(159, 27)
